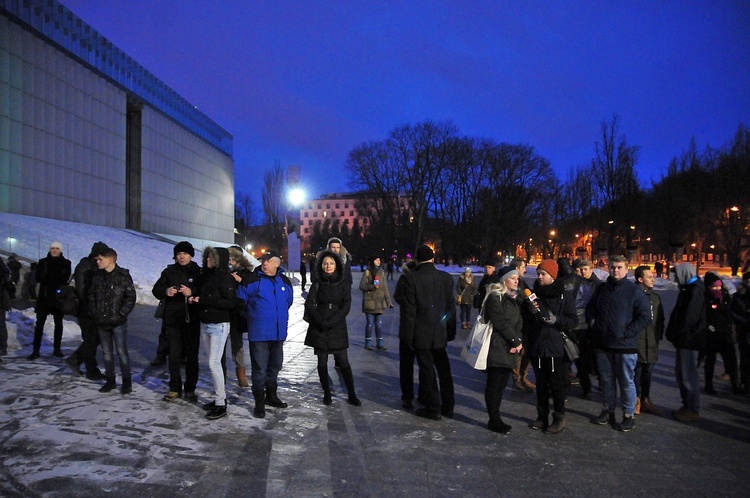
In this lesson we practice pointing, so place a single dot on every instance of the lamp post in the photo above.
(295, 198)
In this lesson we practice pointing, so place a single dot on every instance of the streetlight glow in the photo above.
(296, 197)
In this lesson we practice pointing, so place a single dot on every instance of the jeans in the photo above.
(619, 368)
(115, 338)
(266, 359)
(686, 371)
(374, 318)
(214, 337)
(643, 379)
(465, 312)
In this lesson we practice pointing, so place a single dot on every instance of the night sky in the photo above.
(305, 82)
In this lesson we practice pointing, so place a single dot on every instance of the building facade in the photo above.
(89, 135)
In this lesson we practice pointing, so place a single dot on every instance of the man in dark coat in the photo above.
(86, 352)
(618, 312)
(648, 342)
(687, 332)
(52, 273)
(740, 308)
(15, 274)
(428, 322)
(5, 281)
(175, 285)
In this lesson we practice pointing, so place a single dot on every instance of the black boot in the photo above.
(260, 404)
(108, 385)
(558, 423)
(272, 399)
(127, 385)
(325, 384)
(349, 381)
(496, 424)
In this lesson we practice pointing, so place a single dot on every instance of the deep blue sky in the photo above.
(305, 82)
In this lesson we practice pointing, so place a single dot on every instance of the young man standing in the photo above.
(648, 343)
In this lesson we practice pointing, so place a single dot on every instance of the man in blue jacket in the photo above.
(267, 294)
(617, 312)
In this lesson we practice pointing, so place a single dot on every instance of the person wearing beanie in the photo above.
(618, 312)
(180, 323)
(375, 299)
(466, 288)
(740, 308)
(86, 352)
(428, 322)
(489, 270)
(550, 314)
(719, 336)
(52, 273)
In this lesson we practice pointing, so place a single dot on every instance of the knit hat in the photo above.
(505, 273)
(425, 253)
(56, 244)
(97, 249)
(184, 246)
(710, 278)
(550, 266)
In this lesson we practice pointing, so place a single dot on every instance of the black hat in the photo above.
(270, 254)
(505, 272)
(184, 246)
(98, 249)
(425, 253)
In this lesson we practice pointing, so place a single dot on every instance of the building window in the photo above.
(315, 214)
(351, 213)
(320, 206)
(342, 213)
(307, 230)
(346, 205)
(306, 214)
(328, 206)
(337, 205)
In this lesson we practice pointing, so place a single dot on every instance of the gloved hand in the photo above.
(550, 320)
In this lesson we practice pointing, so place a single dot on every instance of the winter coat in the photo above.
(327, 305)
(218, 297)
(504, 313)
(398, 296)
(466, 290)
(5, 284)
(482, 290)
(266, 301)
(687, 323)
(718, 321)
(648, 338)
(374, 300)
(176, 308)
(740, 309)
(619, 310)
(83, 274)
(545, 340)
(428, 308)
(111, 297)
(51, 274)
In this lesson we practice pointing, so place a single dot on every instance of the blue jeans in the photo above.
(266, 359)
(686, 371)
(214, 337)
(619, 367)
(374, 319)
(115, 338)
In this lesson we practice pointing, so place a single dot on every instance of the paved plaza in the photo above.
(60, 437)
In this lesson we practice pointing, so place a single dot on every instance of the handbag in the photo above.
(571, 348)
(307, 316)
(478, 344)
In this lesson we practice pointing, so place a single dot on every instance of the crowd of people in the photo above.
(607, 330)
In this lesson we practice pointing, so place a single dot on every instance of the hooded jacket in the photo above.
(266, 301)
(111, 297)
(344, 257)
(687, 323)
(619, 310)
(218, 297)
(718, 315)
(327, 305)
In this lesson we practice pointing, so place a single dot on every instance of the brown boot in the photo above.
(530, 386)
(241, 378)
(637, 406)
(649, 407)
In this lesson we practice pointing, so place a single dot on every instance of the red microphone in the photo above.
(530, 295)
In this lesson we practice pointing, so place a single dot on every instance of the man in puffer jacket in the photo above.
(618, 312)
(110, 300)
(687, 332)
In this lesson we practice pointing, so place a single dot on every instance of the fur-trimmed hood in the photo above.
(338, 274)
(220, 256)
(242, 257)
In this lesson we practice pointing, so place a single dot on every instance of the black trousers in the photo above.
(41, 317)
(429, 361)
(184, 340)
(550, 381)
(643, 379)
(497, 379)
(585, 363)
(86, 352)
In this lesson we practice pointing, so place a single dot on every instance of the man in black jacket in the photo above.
(110, 301)
(687, 332)
(428, 322)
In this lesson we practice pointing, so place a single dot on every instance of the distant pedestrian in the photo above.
(303, 273)
(375, 299)
(489, 270)
(110, 301)
(216, 301)
(15, 275)
(389, 268)
(428, 322)
(5, 280)
(466, 288)
(267, 295)
(175, 285)
(659, 269)
(687, 332)
(52, 273)
(326, 308)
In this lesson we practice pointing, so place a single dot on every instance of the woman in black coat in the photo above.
(327, 305)
(719, 333)
(501, 310)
